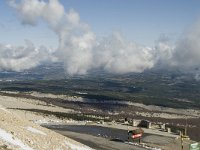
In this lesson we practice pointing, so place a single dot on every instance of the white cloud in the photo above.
(187, 51)
(184, 54)
(32, 10)
(78, 47)
(117, 55)
(73, 17)
(80, 51)
(23, 57)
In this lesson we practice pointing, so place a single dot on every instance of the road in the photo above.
(96, 137)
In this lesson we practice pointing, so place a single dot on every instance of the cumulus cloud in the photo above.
(115, 54)
(78, 47)
(80, 50)
(184, 54)
(187, 50)
(163, 52)
(75, 38)
(31, 10)
(23, 57)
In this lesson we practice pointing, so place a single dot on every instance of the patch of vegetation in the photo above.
(167, 89)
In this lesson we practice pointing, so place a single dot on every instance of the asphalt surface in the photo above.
(97, 137)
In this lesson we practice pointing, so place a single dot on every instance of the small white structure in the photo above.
(135, 123)
(169, 130)
(162, 126)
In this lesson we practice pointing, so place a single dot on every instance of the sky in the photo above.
(114, 35)
(140, 20)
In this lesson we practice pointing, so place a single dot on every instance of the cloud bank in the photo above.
(23, 57)
(184, 54)
(80, 51)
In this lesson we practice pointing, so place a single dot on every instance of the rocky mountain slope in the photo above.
(18, 133)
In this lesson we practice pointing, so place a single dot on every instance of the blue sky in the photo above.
(142, 21)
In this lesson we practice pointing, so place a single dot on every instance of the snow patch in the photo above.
(9, 138)
(35, 130)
